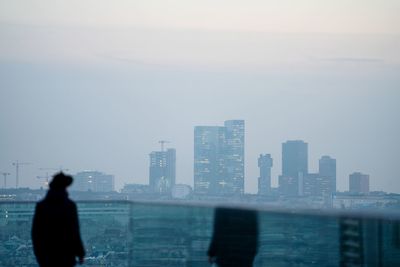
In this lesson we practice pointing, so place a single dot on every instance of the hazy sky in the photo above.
(96, 84)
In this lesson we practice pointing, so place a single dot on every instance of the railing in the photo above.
(159, 234)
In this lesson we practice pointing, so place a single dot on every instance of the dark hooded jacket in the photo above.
(55, 231)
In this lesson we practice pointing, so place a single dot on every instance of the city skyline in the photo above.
(194, 133)
(295, 166)
(94, 86)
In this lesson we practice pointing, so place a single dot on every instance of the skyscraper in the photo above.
(294, 158)
(209, 170)
(327, 171)
(264, 181)
(234, 156)
(359, 183)
(294, 167)
(219, 158)
(162, 170)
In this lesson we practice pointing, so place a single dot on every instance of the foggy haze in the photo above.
(101, 97)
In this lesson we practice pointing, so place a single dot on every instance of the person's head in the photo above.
(60, 181)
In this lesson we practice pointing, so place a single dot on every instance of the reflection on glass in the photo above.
(144, 234)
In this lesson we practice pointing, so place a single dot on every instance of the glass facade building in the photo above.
(93, 181)
(219, 158)
(327, 171)
(294, 158)
(162, 170)
(264, 181)
(294, 167)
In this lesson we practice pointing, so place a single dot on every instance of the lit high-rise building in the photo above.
(234, 156)
(162, 170)
(264, 181)
(208, 163)
(219, 158)
(93, 181)
(327, 172)
(359, 183)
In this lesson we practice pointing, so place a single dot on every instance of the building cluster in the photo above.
(219, 170)
(296, 180)
(219, 167)
(218, 163)
(219, 177)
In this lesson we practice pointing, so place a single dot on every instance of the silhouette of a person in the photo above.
(55, 228)
(235, 238)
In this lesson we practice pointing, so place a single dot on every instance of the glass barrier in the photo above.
(149, 234)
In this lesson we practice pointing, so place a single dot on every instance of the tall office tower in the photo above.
(327, 172)
(209, 167)
(219, 159)
(359, 183)
(264, 181)
(162, 170)
(294, 158)
(234, 156)
(93, 181)
(294, 167)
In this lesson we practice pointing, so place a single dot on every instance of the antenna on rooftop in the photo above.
(162, 142)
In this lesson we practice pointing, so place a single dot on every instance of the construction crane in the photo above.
(61, 169)
(5, 174)
(162, 142)
(45, 177)
(17, 164)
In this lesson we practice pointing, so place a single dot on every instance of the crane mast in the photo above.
(17, 165)
(5, 174)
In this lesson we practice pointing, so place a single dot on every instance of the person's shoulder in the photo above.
(71, 203)
(41, 206)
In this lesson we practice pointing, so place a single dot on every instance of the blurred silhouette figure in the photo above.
(55, 229)
(235, 238)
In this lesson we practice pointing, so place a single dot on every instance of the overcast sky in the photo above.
(95, 84)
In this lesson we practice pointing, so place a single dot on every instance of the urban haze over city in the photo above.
(199, 133)
(99, 90)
